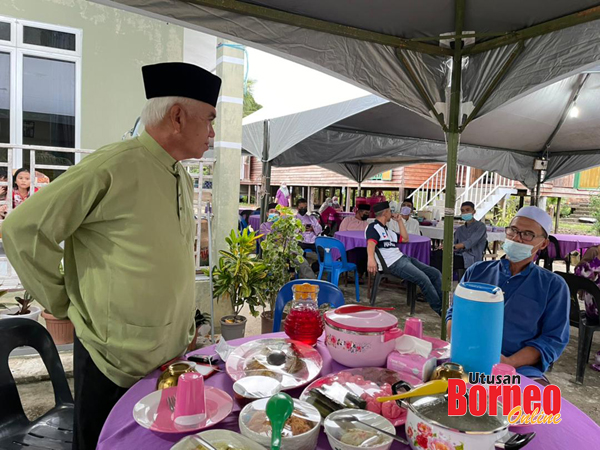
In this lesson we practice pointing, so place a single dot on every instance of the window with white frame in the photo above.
(40, 91)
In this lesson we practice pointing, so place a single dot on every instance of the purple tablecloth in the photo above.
(254, 222)
(417, 246)
(121, 432)
(570, 242)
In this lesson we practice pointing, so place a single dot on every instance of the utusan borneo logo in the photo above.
(532, 404)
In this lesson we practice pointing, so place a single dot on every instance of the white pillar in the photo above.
(228, 142)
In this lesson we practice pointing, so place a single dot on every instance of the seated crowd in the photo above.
(537, 302)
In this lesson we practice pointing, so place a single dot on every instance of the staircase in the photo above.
(485, 192)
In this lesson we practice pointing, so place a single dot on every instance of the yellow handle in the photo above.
(429, 388)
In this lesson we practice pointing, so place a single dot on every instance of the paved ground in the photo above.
(37, 396)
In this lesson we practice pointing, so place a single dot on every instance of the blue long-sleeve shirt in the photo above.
(536, 310)
(474, 237)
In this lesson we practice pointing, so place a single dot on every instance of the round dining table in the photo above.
(254, 222)
(568, 243)
(418, 247)
(121, 432)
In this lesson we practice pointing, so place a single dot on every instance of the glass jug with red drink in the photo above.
(304, 322)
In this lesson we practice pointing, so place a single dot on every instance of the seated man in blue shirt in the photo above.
(536, 301)
(470, 240)
(403, 266)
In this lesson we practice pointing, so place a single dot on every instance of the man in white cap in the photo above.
(536, 301)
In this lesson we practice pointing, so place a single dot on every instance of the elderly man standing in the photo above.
(536, 301)
(126, 218)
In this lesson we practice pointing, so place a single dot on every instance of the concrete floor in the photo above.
(37, 396)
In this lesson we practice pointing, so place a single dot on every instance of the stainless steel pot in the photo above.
(428, 425)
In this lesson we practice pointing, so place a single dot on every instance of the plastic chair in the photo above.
(55, 428)
(578, 318)
(328, 293)
(411, 288)
(545, 255)
(335, 268)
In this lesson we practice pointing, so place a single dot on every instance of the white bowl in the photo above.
(334, 432)
(305, 441)
(216, 437)
(33, 315)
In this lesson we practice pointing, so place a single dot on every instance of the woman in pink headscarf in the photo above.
(283, 195)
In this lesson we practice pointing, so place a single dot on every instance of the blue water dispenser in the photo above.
(477, 324)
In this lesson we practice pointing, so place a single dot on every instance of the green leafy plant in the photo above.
(510, 211)
(281, 252)
(595, 207)
(24, 303)
(239, 274)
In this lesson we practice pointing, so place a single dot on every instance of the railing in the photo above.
(482, 189)
(199, 169)
(433, 188)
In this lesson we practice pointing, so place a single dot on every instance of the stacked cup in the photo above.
(190, 405)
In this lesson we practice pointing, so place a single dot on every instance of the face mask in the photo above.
(273, 217)
(405, 210)
(516, 251)
(467, 217)
(364, 217)
(302, 211)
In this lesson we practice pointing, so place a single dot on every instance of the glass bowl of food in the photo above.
(344, 434)
(300, 432)
(220, 439)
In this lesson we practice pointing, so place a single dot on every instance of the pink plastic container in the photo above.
(503, 369)
(190, 402)
(360, 336)
(414, 327)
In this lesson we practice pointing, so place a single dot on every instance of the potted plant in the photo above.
(281, 252)
(24, 309)
(61, 330)
(239, 275)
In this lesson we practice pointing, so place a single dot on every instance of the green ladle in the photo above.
(279, 409)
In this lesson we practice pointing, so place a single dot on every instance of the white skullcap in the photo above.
(537, 214)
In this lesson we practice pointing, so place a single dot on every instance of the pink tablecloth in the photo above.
(418, 247)
(570, 242)
(121, 432)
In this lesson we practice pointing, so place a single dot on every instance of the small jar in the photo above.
(170, 376)
(304, 322)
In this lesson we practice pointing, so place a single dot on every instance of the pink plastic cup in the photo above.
(414, 327)
(503, 369)
(190, 403)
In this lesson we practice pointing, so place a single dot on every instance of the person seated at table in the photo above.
(335, 204)
(589, 267)
(311, 230)
(536, 301)
(410, 223)
(326, 204)
(403, 213)
(357, 222)
(403, 266)
(265, 227)
(470, 240)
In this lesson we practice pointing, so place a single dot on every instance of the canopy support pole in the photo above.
(453, 138)
(266, 174)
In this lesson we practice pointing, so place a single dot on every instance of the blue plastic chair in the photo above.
(335, 268)
(328, 293)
